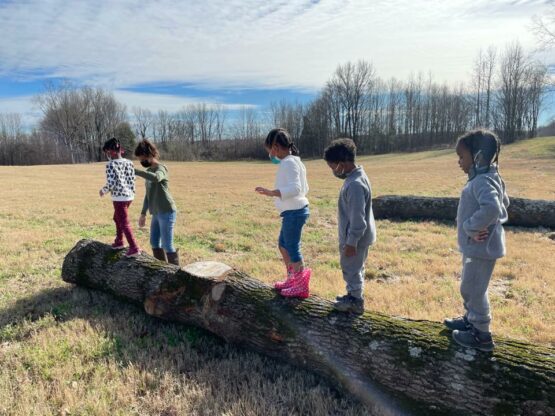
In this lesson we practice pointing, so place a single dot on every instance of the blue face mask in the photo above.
(275, 160)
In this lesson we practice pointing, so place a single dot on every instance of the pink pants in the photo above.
(121, 218)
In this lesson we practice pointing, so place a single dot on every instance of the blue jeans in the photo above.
(291, 229)
(161, 228)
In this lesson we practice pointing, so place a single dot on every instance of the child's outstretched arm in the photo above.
(357, 197)
(490, 210)
(157, 176)
(110, 182)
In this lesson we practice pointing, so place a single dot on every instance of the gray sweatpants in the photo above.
(353, 270)
(476, 275)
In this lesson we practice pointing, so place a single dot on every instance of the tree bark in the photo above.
(395, 365)
(522, 212)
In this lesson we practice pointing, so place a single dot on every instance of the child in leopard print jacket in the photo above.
(120, 182)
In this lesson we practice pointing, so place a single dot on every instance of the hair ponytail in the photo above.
(112, 144)
(283, 138)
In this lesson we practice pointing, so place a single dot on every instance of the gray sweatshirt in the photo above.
(483, 204)
(354, 215)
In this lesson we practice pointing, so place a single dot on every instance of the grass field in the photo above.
(70, 351)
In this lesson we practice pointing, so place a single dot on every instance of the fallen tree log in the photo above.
(522, 212)
(395, 365)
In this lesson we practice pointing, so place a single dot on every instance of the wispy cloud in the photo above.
(171, 103)
(276, 43)
(496, 9)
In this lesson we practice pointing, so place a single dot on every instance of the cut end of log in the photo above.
(208, 269)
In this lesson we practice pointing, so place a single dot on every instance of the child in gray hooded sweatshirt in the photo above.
(356, 226)
(481, 214)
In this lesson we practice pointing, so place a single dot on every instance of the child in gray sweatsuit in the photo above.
(481, 214)
(357, 229)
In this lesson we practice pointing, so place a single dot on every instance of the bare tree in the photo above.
(79, 119)
(348, 90)
(482, 85)
(543, 27)
(64, 117)
(220, 120)
(105, 114)
(511, 92)
(288, 116)
(535, 87)
(143, 121)
(11, 132)
(317, 125)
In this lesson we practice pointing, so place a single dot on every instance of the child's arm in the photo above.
(144, 209)
(488, 213)
(357, 196)
(293, 180)
(268, 192)
(110, 174)
(157, 176)
(131, 176)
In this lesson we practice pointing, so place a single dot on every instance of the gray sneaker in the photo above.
(473, 338)
(342, 298)
(350, 304)
(460, 323)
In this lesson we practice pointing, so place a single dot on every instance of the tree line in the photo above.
(505, 93)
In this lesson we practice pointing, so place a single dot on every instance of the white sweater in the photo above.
(120, 179)
(291, 182)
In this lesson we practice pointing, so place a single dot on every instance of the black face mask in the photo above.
(145, 163)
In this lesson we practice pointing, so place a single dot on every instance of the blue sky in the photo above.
(165, 54)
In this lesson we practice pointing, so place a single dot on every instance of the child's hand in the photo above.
(101, 193)
(142, 221)
(481, 236)
(350, 251)
(264, 191)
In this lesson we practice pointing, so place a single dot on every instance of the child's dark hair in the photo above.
(340, 150)
(283, 138)
(484, 141)
(146, 148)
(112, 144)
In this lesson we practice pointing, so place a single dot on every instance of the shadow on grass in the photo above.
(235, 381)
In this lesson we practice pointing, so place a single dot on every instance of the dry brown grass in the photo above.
(67, 350)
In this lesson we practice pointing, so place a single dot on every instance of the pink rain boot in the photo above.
(300, 286)
(284, 284)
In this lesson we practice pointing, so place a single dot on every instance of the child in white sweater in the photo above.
(290, 200)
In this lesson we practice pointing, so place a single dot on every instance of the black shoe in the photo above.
(350, 304)
(342, 298)
(461, 323)
(473, 338)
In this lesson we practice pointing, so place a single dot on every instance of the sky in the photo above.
(164, 54)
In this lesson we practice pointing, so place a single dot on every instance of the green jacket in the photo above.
(158, 199)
